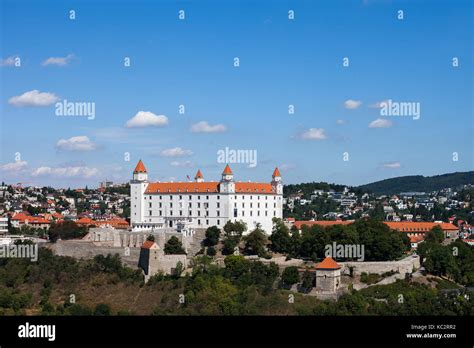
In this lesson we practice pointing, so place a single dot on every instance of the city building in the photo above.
(201, 204)
(3, 225)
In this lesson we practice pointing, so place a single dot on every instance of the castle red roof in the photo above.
(206, 187)
(328, 263)
(227, 170)
(140, 168)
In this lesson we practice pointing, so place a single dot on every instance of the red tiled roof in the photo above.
(416, 239)
(85, 221)
(140, 168)
(206, 187)
(198, 175)
(276, 172)
(26, 218)
(184, 187)
(227, 170)
(148, 244)
(253, 187)
(328, 263)
(410, 226)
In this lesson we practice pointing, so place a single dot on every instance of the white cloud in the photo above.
(392, 165)
(181, 164)
(146, 119)
(34, 98)
(59, 61)
(379, 104)
(380, 123)
(352, 104)
(176, 152)
(313, 134)
(341, 122)
(204, 127)
(9, 61)
(66, 172)
(14, 166)
(79, 143)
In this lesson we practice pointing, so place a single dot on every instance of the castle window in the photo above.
(207, 222)
(161, 213)
(258, 212)
(251, 205)
(190, 205)
(199, 197)
(190, 197)
(243, 205)
(180, 213)
(207, 197)
(243, 213)
(207, 212)
(180, 197)
(218, 222)
(171, 197)
(199, 213)
(190, 213)
(266, 213)
(218, 213)
(199, 222)
(171, 205)
(149, 213)
(251, 213)
(150, 197)
(235, 212)
(199, 205)
(171, 212)
(218, 205)
(161, 205)
(149, 204)
(274, 213)
(160, 197)
(218, 197)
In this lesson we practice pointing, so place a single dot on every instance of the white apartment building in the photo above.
(3, 225)
(201, 204)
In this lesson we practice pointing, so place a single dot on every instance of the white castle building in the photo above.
(201, 204)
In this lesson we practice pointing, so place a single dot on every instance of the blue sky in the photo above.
(191, 62)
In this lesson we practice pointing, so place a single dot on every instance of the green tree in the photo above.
(232, 235)
(66, 230)
(440, 261)
(290, 276)
(211, 251)
(435, 235)
(212, 236)
(255, 242)
(174, 246)
(307, 281)
(280, 237)
(102, 309)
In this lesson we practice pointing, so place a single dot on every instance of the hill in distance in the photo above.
(419, 183)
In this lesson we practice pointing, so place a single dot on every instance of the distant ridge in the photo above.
(419, 183)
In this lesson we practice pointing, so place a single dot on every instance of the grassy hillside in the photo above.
(419, 183)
